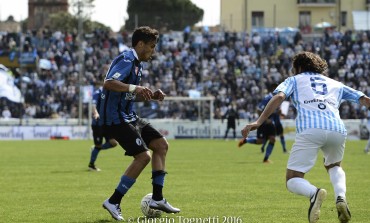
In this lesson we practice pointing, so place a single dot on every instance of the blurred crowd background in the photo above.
(235, 68)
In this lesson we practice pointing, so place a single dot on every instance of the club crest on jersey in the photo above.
(116, 75)
(102, 96)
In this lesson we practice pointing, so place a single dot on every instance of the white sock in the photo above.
(301, 186)
(338, 180)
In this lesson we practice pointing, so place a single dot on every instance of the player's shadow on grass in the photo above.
(67, 171)
(131, 219)
(103, 221)
(72, 171)
(99, 221)
(62, 171)
(248, 162)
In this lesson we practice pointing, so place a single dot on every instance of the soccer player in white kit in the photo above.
(318, 126)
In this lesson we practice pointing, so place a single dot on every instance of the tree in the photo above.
(65, 22)
(170, 14)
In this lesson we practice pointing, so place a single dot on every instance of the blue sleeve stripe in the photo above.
(351, 94)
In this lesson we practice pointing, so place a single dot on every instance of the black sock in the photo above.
(116, 197)
(157, 192)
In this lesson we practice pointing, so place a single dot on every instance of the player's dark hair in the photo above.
(145, 34)
(310, 62)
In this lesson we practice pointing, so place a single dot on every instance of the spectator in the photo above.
(224, 66)
(6, 113)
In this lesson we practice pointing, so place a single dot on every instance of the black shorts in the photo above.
(98, 134)
(231, 125)
(266, 130)
(279, 129)
(133, 137)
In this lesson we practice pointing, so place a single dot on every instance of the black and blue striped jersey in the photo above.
(117, 107)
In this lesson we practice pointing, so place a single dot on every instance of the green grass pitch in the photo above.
(212, 181)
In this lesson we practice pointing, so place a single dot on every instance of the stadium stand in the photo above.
(234, 68)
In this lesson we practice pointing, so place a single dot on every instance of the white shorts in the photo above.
(306, 147)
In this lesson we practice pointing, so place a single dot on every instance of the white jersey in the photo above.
(317, 99)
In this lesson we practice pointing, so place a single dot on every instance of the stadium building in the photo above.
(39, 11)
(245, 15)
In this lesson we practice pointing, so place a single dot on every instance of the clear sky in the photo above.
(108, 15)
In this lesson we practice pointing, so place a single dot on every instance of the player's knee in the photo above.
(147, 159)
(163, 147)
(159, 146)
(290, 174)
(113, 142)
(144, 157)
(332, 165)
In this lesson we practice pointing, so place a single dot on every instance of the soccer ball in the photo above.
(147, 211)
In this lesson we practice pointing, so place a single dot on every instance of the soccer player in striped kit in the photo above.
(135, 135)
(318, 126)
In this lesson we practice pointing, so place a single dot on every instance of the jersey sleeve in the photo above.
(261, 106)
(286, 87)
(351, 94)
(120, 70)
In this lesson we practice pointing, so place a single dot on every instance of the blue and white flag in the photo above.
(8, 89)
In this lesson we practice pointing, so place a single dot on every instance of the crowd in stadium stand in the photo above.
(234, 68)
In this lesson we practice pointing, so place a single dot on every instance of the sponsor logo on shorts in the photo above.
(138, 142)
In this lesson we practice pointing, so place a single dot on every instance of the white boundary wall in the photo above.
(171, 129)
